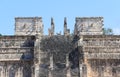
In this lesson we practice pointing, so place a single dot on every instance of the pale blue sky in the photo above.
(58, 9)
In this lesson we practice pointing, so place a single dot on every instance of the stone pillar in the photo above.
(19, 72)
(37, 55)
(66, 31)
(51, 66)
(7, 72)
(83, 70)
(65, 26)
(80, 68)
(32, 70)
(68, 66)
(52, 26)
(51, 30)
(2, 72)
(101, 73)
(5, 75)
(37, 70)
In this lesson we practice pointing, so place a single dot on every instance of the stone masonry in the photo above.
(85, 53)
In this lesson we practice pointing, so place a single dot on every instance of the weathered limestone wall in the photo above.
(28, 25)
(16, 69)
(104, 68)
(16, 48)
(101, 55)
(101, 47)
(89, 26)
(16, 56)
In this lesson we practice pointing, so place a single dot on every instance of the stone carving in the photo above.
(28, 25)
(89, 26)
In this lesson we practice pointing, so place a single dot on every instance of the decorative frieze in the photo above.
(16, 50)
(15, 57)
(102, 55)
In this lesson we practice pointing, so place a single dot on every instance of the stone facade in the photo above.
(28, 25)
(89, 26)
(85, 53)
(101, 55)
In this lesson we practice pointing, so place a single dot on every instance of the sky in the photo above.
(58, 9)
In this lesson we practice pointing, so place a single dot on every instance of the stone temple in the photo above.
(85, 53)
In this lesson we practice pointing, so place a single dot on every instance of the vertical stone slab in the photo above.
(65, 26)
(66, 31)
(51, 30)
(68, 74)
(37, 55)
(5, 68)
(80, 68)
(51, 66)
(101, 74)
(19, 72)
(1, 70)
(40, 66)
(84, 71)
(52, 26)
(7, 71)
(37, 70)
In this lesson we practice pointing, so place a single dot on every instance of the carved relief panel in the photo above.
(28, 25)
(89, 26)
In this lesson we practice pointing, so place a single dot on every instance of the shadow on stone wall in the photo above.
(60, 46)
(29, 42)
